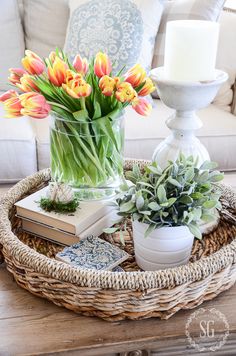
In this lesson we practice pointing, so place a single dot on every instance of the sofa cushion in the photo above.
(17, 147)
(45, 23)
(124, 29)
(226, 58)
(41, 129)
(218, 134)
(11, 40)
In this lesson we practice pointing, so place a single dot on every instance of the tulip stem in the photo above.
(60, 106)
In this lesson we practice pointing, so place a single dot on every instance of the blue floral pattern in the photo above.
(112, 26)
(93, 253)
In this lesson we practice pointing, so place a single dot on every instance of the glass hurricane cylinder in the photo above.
(88, 155)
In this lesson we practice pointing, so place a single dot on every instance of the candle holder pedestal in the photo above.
(185, 98)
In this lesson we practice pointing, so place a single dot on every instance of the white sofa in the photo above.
(24, 142)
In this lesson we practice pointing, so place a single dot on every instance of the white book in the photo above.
(67, 239)
(74, 223)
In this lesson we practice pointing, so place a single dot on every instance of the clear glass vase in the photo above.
(88, 155)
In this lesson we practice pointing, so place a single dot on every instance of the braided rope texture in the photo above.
(132, 294)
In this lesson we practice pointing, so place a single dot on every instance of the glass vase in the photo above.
(88, 155)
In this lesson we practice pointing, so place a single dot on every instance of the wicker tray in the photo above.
(132, 294)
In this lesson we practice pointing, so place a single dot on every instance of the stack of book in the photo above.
(91, 218)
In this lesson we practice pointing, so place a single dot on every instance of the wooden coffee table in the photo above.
(33, 326)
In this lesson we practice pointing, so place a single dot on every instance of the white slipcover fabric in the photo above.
(11, 39)
(17, 148)
(226, 58)
(142, 135)
(45, 23)
(218, 133)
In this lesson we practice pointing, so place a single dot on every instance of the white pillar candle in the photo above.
(190, 50)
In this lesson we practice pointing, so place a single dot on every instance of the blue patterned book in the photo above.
(93, 253)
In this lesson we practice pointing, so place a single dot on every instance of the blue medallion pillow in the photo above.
(124, 29)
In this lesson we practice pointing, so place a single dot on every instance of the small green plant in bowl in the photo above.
(168, 206)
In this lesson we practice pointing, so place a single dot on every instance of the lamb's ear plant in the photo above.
(181, 194)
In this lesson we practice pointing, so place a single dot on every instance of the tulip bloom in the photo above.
(148, 88)
(13, 107)
(142, 106)
(27, 84)
(57, 72)
(102, 65)
(80, 64)
(32, 63)
(16, 74)
(125, 93)
(34, 105)
(9, 94)
(108, 84)
(135, 75)
(52, 56)
(77, 87)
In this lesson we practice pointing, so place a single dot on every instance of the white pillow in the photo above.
(45, 23)
(11, 40)
(125, 29)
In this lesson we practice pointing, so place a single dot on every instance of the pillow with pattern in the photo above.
(125, 29)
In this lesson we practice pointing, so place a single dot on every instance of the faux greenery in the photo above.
(181, 194)
(59, 207)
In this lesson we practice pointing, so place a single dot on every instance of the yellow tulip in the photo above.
(108, 84)
(135, 75)
(77, 87)
(148, 88)
(125, 93)
(57, 72)
(102, 65)
(27, 83)
(32, 63)
(13, 107)
(34, 105)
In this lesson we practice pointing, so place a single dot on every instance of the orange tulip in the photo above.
(27, 83)
(16, 74)
(34, 105)
(32, 63)
(80, 64)
(77, 87)
(135, 75)
(13, 107)
(8, 94)
(125, 93)
(57, 72)
(148, 88)
(142, 106)
(102, 65)
(108, 84)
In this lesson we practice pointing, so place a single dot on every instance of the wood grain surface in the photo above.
(33, 326)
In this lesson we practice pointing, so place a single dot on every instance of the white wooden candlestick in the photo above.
(185, 98)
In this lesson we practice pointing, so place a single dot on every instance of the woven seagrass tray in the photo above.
(132, 294)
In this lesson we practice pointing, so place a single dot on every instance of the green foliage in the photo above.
(181, 194)
(59, 207)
